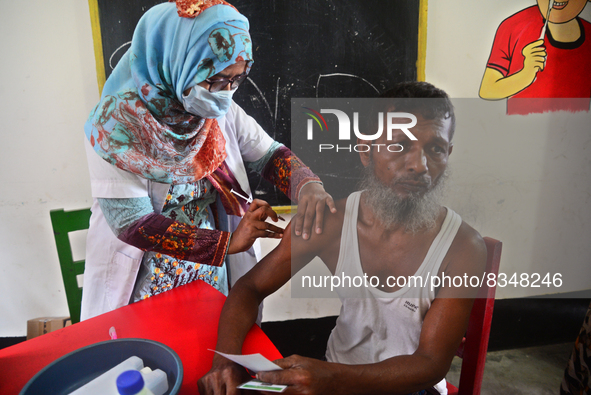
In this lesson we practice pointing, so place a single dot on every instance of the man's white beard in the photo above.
(414, 212)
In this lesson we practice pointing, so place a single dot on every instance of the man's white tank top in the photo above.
(374, 325)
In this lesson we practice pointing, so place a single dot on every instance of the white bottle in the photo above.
(155, 380)
(132, 383)
(105, 383)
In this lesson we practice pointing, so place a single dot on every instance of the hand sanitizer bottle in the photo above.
(131, 382)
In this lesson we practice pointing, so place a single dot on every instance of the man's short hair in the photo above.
(439, 106)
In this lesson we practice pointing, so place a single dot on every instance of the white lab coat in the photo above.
(111, 265)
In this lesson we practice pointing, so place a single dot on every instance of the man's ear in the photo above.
(366, 156)
(451, 146)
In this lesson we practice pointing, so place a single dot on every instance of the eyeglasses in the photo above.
(219, 84)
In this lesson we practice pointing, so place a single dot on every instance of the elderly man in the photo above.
(389, 338)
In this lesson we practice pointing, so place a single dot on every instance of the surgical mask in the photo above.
(206, 104)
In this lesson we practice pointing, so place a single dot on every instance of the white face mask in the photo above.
(205, 104)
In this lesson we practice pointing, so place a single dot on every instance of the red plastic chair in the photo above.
(475, 344)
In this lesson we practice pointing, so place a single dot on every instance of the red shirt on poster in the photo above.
(566, 74)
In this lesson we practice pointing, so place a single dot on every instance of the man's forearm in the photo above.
(398, 375)
(240, 312)
(238, 315)
(241, 308)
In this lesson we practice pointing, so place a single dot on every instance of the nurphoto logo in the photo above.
(403, 121)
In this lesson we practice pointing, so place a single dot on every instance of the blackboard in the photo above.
(305, 48)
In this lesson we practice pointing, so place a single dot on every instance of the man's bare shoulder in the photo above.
(327, 240)
(467, 253)
(470, 238)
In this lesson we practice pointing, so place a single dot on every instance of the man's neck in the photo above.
(565, 32)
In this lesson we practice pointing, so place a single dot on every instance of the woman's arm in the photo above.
(277, 164)
(283, 169)
(291, 176)
(134, 222)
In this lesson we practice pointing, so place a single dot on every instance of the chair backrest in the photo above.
(64, 222)
(473, 349)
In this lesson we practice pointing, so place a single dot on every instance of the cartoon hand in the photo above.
(535, 58)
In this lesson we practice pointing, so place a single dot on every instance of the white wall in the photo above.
(459, 38)
(523, 180)
(49, 87)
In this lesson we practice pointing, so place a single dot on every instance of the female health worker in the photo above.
(168, 152)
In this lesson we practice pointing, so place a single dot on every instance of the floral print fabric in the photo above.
(140, 124)
(158, 233)
(189, 206)
(288, 173)
(192, 8)
(169, 273)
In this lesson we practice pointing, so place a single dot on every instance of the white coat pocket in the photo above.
(121, 275)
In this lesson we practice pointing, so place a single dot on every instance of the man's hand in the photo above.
(313, 199)
(535, 58)
(253, 225)
(223, 378)
(303, 376)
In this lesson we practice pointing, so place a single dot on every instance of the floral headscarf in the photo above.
(140, 124)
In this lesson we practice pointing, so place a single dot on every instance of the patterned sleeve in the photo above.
(134, 222)
(282, 168)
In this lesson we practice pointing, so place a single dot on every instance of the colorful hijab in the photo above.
(140, 124)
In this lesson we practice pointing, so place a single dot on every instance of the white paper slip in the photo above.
(260, 386)
(255, 362)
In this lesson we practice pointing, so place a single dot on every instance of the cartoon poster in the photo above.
(540, 59)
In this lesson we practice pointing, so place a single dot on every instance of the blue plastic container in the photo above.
(77, 368)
